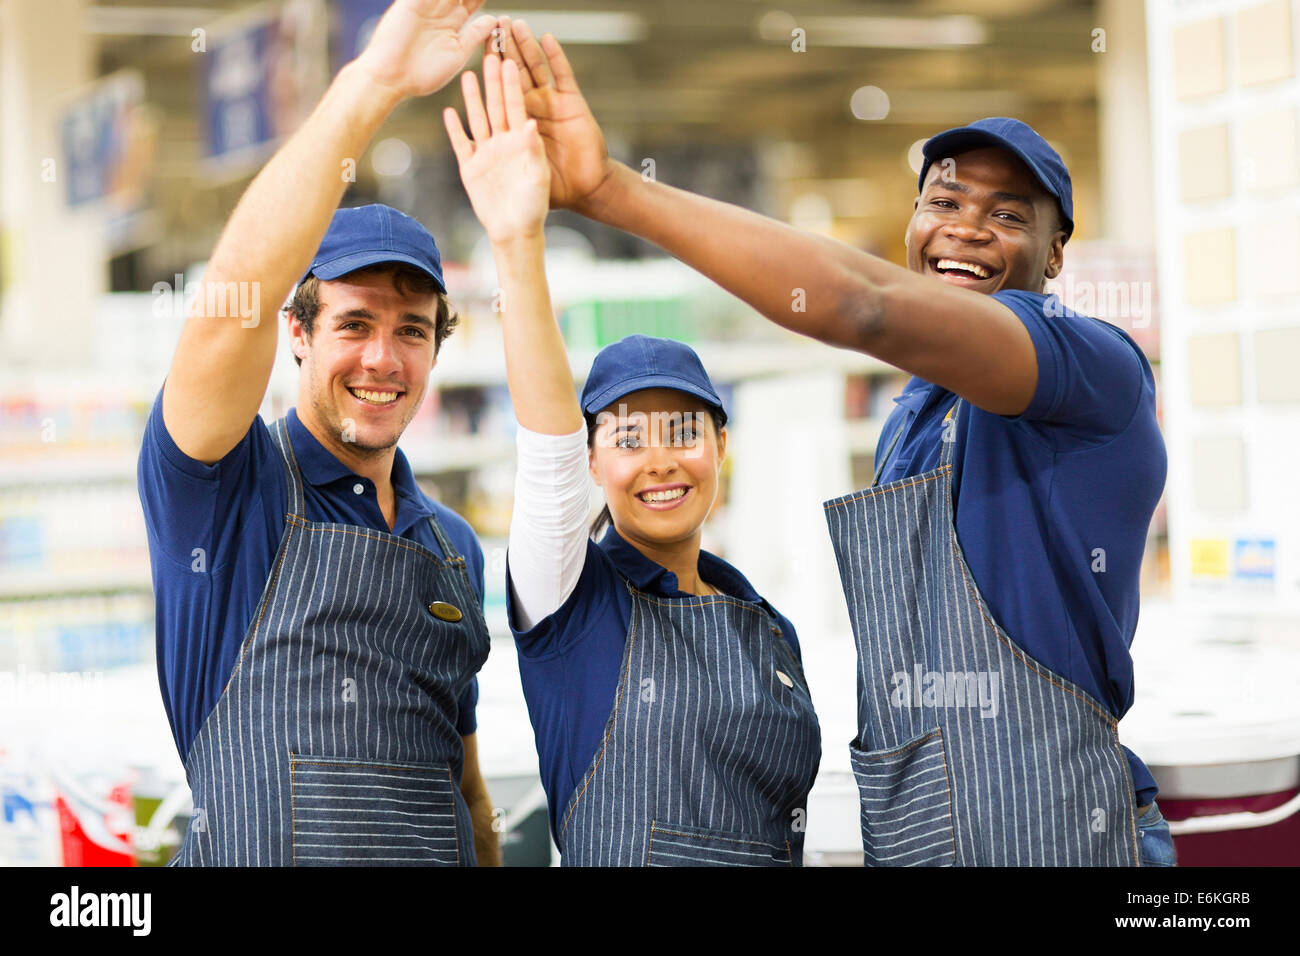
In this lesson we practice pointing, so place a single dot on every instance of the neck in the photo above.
(682, 558)
(375, 465)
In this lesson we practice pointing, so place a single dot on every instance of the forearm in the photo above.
(806, 283)
(537, 363)
(487, 844)
(224, 356)
(283, 215)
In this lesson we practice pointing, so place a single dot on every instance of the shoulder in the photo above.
(599, 594)
(460, 531)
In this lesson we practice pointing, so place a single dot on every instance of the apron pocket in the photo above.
(906, 803)
(372, 813)
(673, 844)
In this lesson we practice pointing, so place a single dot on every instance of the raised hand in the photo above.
(504, 167)
(417, 46)
(575, 146)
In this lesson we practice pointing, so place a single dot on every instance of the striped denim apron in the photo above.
(710, 749)
(335, 739)
(969, 752)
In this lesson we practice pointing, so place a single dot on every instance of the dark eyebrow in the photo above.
(1001, 195)
(414, 317)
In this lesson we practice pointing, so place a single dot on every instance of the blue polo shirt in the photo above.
(233, 511)
(570, 662)
(1052, 506)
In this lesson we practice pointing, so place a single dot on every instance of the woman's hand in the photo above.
(417, 47)
(504, 166)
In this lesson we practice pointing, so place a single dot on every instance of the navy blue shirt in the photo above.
(1052, 506)
(570, 662)
(214, 531)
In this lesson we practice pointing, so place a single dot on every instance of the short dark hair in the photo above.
(604, 519)
(407, 280)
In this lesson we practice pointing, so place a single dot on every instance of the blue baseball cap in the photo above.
(367, 235)
(1017, 138)
(642, 361)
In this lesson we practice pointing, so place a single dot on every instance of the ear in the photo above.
(298, 340)
(1055, 256)
(591, 467)
(722, 444)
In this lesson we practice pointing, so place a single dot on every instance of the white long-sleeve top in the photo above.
(548, 527)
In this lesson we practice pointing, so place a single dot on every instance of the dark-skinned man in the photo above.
(991, 571)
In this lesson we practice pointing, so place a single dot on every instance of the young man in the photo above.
(999, 563)
(319, 618)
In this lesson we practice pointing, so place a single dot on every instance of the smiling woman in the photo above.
(620, 640)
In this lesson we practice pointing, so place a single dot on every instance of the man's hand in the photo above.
(417, 46)
(504, 167)
(574, 144)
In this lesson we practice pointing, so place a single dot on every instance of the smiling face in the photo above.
(656, 454)
(983, 222)
(366, 363)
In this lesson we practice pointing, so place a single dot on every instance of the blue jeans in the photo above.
(1155, 844)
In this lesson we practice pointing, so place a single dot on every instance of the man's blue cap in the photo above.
(641, 361)
(1017, 138)
(367, 235)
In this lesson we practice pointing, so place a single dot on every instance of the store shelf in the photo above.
(19, 585)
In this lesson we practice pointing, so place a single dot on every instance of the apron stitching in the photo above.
(886, 489)
(266, 599)
(1029, 662)
(604, 745)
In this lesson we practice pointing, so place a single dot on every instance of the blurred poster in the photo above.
(356, 18)
(262, 72)
(108, 142)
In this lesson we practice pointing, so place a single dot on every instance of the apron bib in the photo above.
(969, 752)
(334, 741)
(710, 749)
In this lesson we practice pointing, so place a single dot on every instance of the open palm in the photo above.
(504, 167)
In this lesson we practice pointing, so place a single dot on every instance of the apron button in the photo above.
(784, 679)
(444, 611)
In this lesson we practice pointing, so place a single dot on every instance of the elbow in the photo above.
(861, 316)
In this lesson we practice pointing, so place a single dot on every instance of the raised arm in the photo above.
(962, 340)
(505, 173)
(223, 360)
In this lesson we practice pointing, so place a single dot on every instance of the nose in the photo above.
(661, 459)
(968, 226)
(380, 356)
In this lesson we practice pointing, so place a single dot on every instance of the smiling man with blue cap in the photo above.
(991, 571)
(319, 618)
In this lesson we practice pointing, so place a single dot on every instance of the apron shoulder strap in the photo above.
(280, 435)
(949, 434)
(449, 552)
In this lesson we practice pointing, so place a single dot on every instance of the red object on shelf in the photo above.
(92, 838)
(1275, 845)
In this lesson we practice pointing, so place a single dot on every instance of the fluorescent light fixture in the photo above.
(903, 33)
(147, 21)
(588, 26)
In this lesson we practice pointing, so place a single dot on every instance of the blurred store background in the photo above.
(130, 128)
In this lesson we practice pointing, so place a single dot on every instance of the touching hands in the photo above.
(504, 166)
(417, 46)
(574, 144)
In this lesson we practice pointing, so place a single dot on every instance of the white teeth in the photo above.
(374, 398)
(663, 495)
(967, 266)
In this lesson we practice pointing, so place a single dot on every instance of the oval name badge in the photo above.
(784, 679)
(444, 611)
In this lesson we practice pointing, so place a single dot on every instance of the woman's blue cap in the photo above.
(1017, 138)
(367, 235)
(642, 361)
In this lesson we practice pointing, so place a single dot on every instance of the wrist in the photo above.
(375, 94)
(514, 245)
(603, 200)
